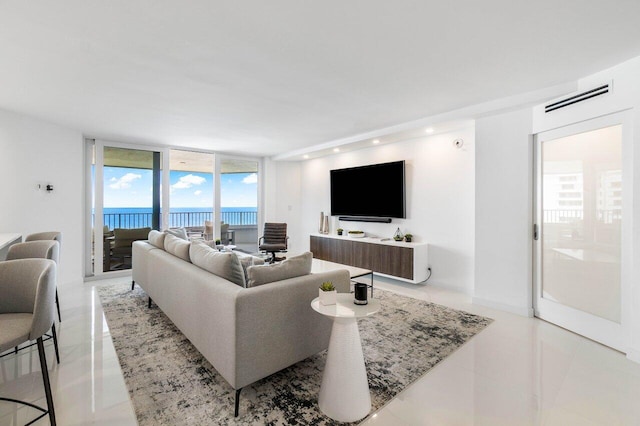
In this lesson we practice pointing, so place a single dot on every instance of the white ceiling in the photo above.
(270, 77)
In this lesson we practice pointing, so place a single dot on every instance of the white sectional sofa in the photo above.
(246, 333)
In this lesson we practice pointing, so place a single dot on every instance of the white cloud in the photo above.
(252, 178)
(198, 192)
(188, 181)
(125, 181)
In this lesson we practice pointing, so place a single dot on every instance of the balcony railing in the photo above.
(178, 219)
(570, 216)
(187, 219)
(127, 220)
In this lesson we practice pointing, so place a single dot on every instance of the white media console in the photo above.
(394, 259)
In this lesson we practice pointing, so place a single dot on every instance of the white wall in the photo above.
(282, 200)
(32, 152)
(440, 201)
(503, 212)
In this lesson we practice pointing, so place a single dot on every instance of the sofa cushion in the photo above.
(177, 246)
(156, 238)
(178, 232)
(293, 267)
(223, 264)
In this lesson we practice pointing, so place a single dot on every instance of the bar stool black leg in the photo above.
(55, 342)
(58, 306)
(47, 384)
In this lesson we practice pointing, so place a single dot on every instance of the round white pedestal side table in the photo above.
(344, 394)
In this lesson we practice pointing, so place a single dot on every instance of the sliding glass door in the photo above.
(125, 203)
(238, 200)
(580, 215)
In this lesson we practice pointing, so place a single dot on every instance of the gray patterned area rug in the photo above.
(171, 383)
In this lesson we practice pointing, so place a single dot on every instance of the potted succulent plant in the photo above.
(339, 231)
(327, 293)
(219, 245)
(408, 237)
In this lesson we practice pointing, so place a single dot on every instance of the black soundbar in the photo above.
(365, 219)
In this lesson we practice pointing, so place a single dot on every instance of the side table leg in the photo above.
(344, 394)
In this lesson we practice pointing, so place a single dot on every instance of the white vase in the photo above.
(327, 297)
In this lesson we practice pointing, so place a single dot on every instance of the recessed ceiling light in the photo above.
(305, 156)
(376, 141)
(429, 130)
(336, 149)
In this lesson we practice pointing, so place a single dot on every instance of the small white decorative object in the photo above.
(327, 297)
(321, 226)
(356, 234)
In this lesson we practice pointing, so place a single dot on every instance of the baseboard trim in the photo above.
(633, 355)
(464, 290)
(525, 312)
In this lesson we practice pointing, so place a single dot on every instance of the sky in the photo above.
(127, 187)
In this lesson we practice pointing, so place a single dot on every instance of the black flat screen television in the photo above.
(376, 190)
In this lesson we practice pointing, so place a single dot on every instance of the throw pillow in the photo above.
(178, 232)
(223, 264)
(246, 261)
(177, 246)
(293, 267)
(156, 238)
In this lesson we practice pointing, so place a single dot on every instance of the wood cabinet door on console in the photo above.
(362, 255)
(342, 252)
(396, 261)
(332, 250)
(320, 247)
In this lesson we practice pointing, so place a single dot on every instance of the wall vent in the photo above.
(600, 90)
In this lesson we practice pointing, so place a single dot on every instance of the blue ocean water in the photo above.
(138, 217)
(111, 210)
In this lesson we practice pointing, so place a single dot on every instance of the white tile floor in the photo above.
(518, 371)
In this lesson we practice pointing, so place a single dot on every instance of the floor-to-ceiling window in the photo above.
(191, 190)
(134, 188)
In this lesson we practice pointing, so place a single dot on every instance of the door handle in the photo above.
(535, 232)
